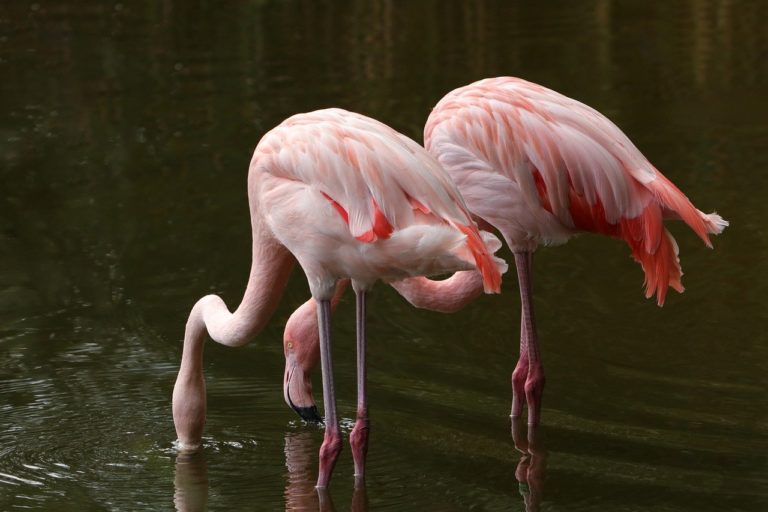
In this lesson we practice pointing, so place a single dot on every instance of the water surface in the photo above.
(125, 134)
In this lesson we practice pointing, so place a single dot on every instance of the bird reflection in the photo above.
(530, 470)
(360, 497)
(191, 483)
(300, 491)
(191, 478)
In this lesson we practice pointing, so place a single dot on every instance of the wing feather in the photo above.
(351, 159)
(519, 128)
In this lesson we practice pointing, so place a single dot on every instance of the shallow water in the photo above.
(125, 135)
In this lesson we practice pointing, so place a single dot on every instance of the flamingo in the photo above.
(540, 168)
(347, 197)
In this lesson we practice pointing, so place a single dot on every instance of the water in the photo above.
(125, 135)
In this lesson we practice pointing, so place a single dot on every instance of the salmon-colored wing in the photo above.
(378, 180)
(374, 184)
(541, 166)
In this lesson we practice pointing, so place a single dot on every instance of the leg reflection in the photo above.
(530, 469)
(359, 497)
(191, 483)
(300, 492)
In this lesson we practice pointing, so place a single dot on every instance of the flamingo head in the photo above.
(302, 352)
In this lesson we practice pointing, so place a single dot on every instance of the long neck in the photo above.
(446, 296)
(271, 265)
(270, 269)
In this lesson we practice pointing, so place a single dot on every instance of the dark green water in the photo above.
(125, 135)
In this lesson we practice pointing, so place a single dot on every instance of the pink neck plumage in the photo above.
(445, 296)
(270, 268)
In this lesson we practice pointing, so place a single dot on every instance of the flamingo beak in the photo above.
(308, 413)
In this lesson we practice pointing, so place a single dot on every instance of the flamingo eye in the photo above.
(290, 344)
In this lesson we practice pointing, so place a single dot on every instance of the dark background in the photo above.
(125, 135)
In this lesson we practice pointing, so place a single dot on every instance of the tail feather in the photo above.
(483, 259)
(675, 201)
(661, 267)
(715, 223)
(654, 248)
(651, 244)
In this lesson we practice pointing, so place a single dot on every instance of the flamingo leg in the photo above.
(331, 447)
(358, 439)
(534, 379)
(520, 373)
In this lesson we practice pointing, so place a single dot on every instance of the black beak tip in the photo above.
(309, 414)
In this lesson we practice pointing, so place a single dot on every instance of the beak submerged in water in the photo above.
(297, 389)
(309, 414)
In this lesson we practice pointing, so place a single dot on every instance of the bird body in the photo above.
(346, 197)
(542, 167)
(347, 194)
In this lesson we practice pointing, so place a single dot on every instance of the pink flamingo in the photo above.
(540, 168)
(346, 197)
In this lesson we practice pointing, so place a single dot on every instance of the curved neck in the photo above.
(446, 296)
(270, 268)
